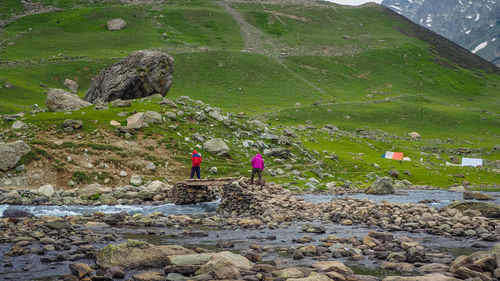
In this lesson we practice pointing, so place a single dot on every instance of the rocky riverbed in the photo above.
(255, 234)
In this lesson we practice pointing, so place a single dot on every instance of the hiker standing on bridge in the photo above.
(196, 168)
(257, 167)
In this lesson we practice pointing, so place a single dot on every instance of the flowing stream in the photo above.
(439, 198)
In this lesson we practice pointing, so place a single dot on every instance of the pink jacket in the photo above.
(257, 162)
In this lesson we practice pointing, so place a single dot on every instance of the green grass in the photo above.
(378, 69)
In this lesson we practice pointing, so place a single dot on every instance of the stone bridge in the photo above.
(194, 191)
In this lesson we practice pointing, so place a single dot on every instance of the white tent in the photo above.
(474, 162)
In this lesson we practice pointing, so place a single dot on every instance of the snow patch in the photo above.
(468, 32)
(395, 7)
(478, 16)
(479, 47)
(493, 40)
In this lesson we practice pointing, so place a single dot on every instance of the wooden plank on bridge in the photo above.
(208, 181)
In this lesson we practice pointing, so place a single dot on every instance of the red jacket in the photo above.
(196, 159)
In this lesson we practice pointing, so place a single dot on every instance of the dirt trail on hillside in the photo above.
(253, 37)
(257, 41)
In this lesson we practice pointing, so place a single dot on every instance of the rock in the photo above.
(278, 152)
(434, 268)
(382, 185)
(474, 195)
(115, 272)
(220, 269)
(333, 266)
(120, 103)
(216, 146)
(11, 153)
(428, 277)
(213, 170)
(287, 273)
(116, 24)
(464, 273)
(13, 213)
(149, 276)
(107, 199)
(135, 180)
(141, 74)
(46, 190)
(79, 269)
(73, 124)
(298, 255)
(136, 121)
(312, 277)
(18, 125)
(414, 135)
(180, 277)
(393, 173)
(71, 84)
(488, 210)
(114, 123)
(93, 189)
(61, 101)
(495, 251)
(137, 254)
(168, 102)
(313, 228)
(153, 117)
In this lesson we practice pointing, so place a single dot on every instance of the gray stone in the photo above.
(18, 125)
(59, 100)
(11, 153)
(382, 185)
(141, 74)
(46, 190)
(71, 84)
(120, 103)
(74, 124)
(136, 121)
(136, 180)
(116, 24)
(213, 170)
(153, 117)
(278, 152)
(216, 146)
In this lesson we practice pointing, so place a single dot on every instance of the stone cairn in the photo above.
(183, 194)
(243, 199)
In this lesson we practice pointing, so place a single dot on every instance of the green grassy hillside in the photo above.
(355, 68)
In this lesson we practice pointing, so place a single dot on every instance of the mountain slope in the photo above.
(369, 71)
(472, 24)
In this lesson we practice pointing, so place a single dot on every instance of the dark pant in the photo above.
(196, 170)
(259, 173)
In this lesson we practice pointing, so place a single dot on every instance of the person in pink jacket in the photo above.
(257, 167)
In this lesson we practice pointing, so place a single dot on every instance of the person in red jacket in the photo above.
(196, 168)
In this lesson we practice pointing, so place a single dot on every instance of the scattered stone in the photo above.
(414, 135)
(382, 185)
(474, 195)
(11, 153)
(216, 146)
(116, 24)
(18, 125)
(59, 100)
(71, 84)
(136, 121)
(46, 190)
(120, 103)
(136, 180)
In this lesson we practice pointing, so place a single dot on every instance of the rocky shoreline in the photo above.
(87, 245)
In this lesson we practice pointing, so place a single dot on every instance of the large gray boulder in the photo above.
(137, 254)
(383, 185)
(489, 210)
(141, 74)
(10, 153)
(60, 100)
(216, 146)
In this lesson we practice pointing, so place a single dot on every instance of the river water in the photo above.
(441, 198)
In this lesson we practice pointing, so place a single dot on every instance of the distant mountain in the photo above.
(474, 25)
